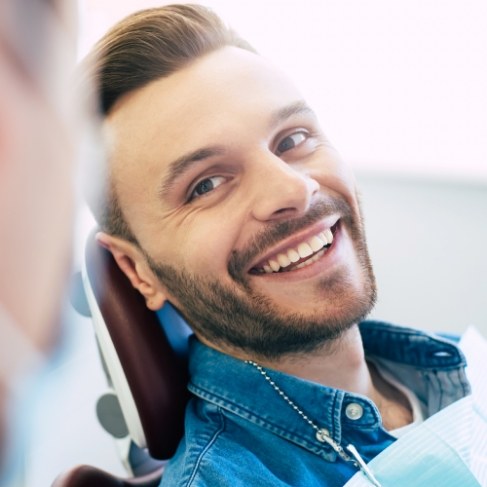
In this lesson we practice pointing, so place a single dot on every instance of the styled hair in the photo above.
(146, 46)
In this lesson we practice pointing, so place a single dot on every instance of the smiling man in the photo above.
(225, 198)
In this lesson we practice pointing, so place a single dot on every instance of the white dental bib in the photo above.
(448, 449)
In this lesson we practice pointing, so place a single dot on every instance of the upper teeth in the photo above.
(303, 250)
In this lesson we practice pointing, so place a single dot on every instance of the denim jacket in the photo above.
(239, 430)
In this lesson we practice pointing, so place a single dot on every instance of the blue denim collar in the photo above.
(417, 359)
(409, 346)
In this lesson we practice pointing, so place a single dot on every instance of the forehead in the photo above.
(201, 104)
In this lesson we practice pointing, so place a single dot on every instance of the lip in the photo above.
(324, 265)
(294, 240)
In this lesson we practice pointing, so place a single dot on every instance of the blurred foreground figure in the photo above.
(36, 198)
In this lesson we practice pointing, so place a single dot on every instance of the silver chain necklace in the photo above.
(322, 434)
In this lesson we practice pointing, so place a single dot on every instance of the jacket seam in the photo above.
(206, 448)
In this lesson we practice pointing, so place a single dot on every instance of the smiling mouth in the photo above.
(304, 254)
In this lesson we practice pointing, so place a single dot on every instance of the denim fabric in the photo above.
(240, 431)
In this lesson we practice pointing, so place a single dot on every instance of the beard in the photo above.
(240, 317)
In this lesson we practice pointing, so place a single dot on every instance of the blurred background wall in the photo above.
(400, 89)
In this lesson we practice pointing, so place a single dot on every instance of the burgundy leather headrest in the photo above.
(85, 476)
(157, 377)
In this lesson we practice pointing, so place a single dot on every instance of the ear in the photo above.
(133, 264)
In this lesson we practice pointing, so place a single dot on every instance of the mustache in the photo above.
(276, 231)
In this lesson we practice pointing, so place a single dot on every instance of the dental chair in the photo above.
(144, 358)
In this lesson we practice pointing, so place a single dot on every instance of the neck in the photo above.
(341, 364)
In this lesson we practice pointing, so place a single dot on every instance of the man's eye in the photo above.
(206, 185)
(291, 141)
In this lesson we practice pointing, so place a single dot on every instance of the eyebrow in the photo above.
(182, 164)
(297, 108)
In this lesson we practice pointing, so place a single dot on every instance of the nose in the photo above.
(281, 190)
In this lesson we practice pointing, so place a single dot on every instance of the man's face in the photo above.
(235, 195)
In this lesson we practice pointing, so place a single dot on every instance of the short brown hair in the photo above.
(146, 46)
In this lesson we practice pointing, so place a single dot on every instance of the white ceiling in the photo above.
(400, 85)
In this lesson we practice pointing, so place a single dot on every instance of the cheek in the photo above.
(205, 244)
(333, 174)
(207, 249)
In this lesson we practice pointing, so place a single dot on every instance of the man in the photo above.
(36, 204)
(225, 198)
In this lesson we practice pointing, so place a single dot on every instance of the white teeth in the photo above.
(293, 255)
(283, 260)
(310, 261)
(316, 243)
(304, 250)
(274, 265)
(328, 235)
